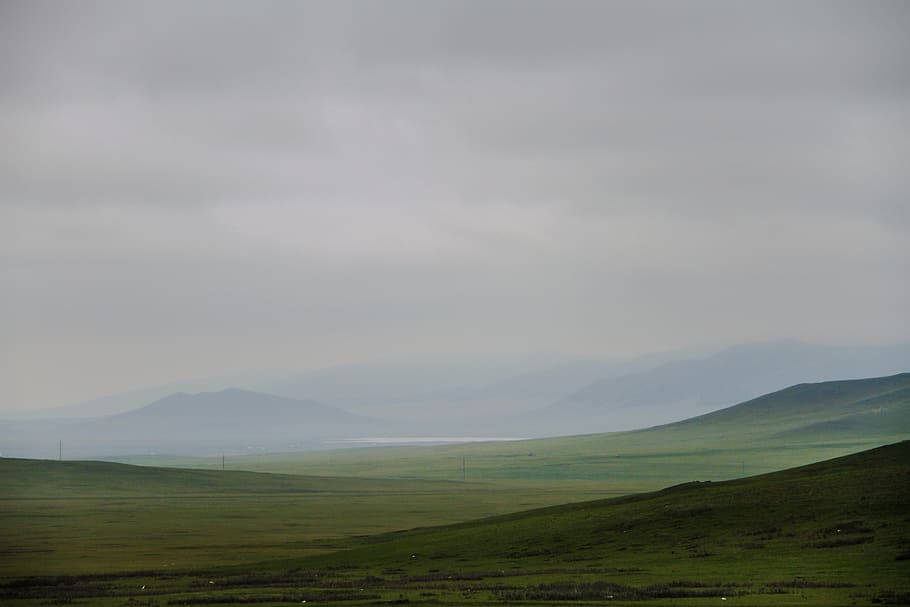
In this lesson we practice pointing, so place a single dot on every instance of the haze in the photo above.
(214, 188)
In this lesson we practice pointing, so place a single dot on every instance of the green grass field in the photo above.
(792, 427)
(79, 517)
(833, 533)
(828, 534)
(836, 529)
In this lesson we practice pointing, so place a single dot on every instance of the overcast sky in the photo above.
(201, 188)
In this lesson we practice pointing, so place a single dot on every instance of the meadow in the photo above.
(97, 517)
(801, 424)
(832, 533)
(572, 519)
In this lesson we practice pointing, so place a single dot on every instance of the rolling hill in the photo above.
(833, 531)
(790, 427)
(538, 396)
(681, 389)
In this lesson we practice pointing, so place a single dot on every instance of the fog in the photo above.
(225, 189)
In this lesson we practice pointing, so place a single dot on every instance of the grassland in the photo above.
(799, 425)
(836, 529)
(833, 533)
(98, 517)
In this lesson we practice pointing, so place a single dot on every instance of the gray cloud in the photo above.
(285, 184)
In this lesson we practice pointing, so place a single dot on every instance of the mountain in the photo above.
(116, 403)
(830, 533)
(535, 396)
(441, 390)
(373, 388)
(768, 431)
(680, 389)
(790, 427)
(455, 396)
(232, 420)
(233, 408)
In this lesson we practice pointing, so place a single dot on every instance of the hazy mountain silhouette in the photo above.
(447, 397)
(232, 419)
(681, 389)
(362, 387)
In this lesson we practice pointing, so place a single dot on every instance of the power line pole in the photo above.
(222, 462)
(60, 451)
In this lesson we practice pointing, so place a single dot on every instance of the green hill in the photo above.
(836, 532)
(804, 407)
(791, 427)
(831, 533)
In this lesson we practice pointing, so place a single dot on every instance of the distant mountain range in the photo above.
(230, 420)
(801, 423)
(448, 390)
(365, 387)
(443, 399)
(685, 388)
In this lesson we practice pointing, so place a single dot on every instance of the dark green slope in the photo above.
(843, 523)
(832, 533)
(873, 485)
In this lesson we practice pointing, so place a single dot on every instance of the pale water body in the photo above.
(422, 440)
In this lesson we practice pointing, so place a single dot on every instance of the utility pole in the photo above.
(60, 451)
(464, 469)
(222, 462)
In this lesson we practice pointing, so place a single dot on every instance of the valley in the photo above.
(796, 497)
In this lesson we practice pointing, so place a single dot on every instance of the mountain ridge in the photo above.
(687, 388)
(232, 420)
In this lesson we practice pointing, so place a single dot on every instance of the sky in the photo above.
(192, 189)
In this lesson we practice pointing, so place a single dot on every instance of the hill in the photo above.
(231, 420)
(681, 389)
(790, 427)
(537, 395)
(833, 531)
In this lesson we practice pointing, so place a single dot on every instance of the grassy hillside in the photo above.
(692, 386)
(840, 529)
(833, 533)
(795, 426)
(76, 517)
(694, 518)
